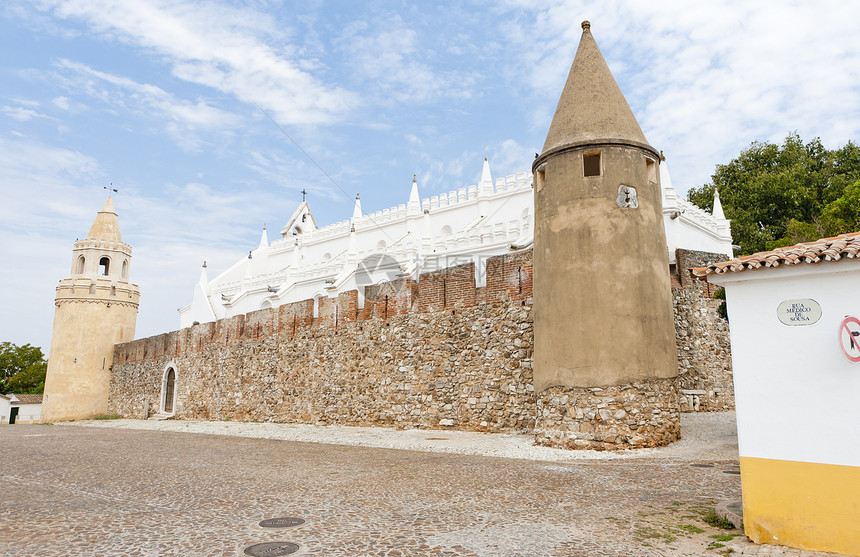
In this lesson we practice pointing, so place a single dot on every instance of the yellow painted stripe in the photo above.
(802, 504)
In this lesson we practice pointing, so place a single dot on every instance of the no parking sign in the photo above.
(849, 338)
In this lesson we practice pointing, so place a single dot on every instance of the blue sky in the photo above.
(176, 104)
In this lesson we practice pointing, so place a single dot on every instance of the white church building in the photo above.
(423, 235)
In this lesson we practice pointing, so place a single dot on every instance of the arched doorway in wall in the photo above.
(168, 390)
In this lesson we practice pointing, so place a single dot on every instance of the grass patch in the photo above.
(717, 521)
(690, 528)
(724, 537)
(107, 417)
(648, 533)
(716, 545)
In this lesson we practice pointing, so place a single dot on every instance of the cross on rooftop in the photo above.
(304, 193)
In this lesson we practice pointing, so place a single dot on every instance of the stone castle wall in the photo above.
(438, 352)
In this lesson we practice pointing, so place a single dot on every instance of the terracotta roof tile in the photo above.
(825, 249)
(29, 399)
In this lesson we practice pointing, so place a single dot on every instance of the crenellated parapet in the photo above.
(100, 290)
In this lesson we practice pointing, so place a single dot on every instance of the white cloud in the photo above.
(390, 55)
(143, 96)
(61, 103)
(21, 114)
(217, 46)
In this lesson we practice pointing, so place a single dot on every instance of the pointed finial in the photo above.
(264, 226)
(414, 177)
(662, 156)
(485, 158)
(357, 196)
(204, 263)
(586, 25)
(249, 255)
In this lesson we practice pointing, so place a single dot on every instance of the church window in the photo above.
(81, 263)
(104, 266)
(591, 164)
(125, 269)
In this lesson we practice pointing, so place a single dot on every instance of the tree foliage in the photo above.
(781, 195)
(22, 369)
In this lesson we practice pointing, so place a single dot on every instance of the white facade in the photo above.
(795, 336)
(792, 382)
(28, 413)
(423, 235)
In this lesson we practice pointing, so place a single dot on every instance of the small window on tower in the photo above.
(651, 169)
(104, 266)
(81, 263)
(591, 164)
(540, 178)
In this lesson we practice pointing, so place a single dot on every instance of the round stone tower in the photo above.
(604, 326)
(96, 307)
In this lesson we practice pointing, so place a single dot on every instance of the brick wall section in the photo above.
(450, 288)
(389, 299)
(428, 353)
(509, 277)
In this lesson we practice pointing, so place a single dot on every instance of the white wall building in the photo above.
(795, 334)
(423, 235)
(20, 409)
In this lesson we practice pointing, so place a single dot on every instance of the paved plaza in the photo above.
(119, 491)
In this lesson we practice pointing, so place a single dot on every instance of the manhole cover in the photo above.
(702, 465)
(271, 549)
(282, 522)
(736, 472)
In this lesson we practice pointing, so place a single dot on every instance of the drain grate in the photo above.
(271, 549)
(282, 522)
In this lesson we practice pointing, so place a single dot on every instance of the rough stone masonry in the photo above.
(432, 353)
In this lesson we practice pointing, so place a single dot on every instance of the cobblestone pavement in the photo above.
(124, 492)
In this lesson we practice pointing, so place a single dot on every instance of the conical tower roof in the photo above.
(106, 225)
(592, 108)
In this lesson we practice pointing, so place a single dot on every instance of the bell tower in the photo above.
(603, 315)
(96, 307)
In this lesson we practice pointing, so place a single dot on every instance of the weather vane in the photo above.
(110, 188)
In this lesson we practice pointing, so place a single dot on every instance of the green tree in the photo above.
(22, 369)
(777, 195)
